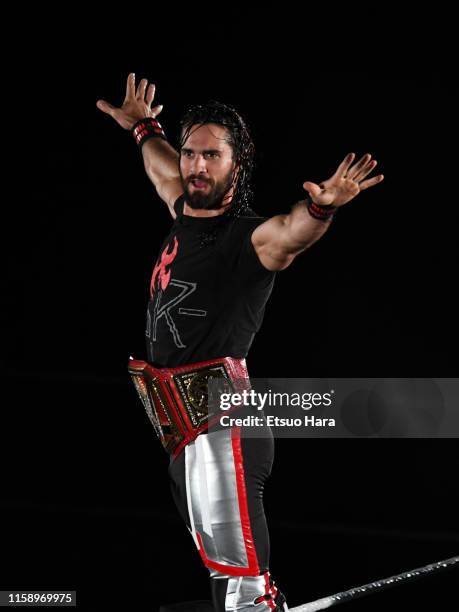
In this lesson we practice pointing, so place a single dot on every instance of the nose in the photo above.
(199, 165)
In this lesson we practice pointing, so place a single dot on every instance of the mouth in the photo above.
(199, 184)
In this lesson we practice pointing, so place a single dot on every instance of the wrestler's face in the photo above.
(207, 167)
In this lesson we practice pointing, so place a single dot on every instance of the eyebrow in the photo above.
(185, 149)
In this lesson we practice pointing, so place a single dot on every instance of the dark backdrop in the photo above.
(85, 502)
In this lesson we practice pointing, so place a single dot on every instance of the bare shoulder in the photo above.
(169, 190)
(267, 242)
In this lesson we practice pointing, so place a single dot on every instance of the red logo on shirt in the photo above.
(160, 271)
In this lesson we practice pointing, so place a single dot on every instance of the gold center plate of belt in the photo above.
(193, 389)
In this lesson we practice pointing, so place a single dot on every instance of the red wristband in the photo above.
(145, 129)
(320, 211)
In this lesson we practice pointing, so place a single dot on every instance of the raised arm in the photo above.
(280, 239)
(160, 159)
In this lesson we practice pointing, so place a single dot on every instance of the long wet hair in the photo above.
(239, 138)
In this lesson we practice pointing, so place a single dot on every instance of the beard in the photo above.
(211, 199)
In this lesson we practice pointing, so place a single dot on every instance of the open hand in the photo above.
(136, 105)
(347, 182)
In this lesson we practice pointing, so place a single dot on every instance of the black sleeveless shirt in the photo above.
(206, 301)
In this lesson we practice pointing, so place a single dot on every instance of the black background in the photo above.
(85, 501)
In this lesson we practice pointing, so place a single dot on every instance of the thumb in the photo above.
(105, 107)
(313, 189)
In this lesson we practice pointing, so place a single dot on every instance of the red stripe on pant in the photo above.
(252, 569)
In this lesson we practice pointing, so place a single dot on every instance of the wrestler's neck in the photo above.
(202, 212)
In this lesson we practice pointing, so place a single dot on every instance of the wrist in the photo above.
(147, 128)
(321, 212)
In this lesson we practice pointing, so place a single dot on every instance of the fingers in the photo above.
(155, 111)
(130, 87)
(140, 95)
(105, 107)
(344, 165)
(370, 182)
(150, 94)
(365, 171)
(358, 167)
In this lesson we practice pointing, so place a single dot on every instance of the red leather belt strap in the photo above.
(175, 399)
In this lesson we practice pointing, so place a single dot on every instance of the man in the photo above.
(208, 291)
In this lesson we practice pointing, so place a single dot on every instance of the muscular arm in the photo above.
(280, 239)
(160, 159)
(161, 162)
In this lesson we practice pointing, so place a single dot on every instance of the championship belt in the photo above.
(176, 399)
